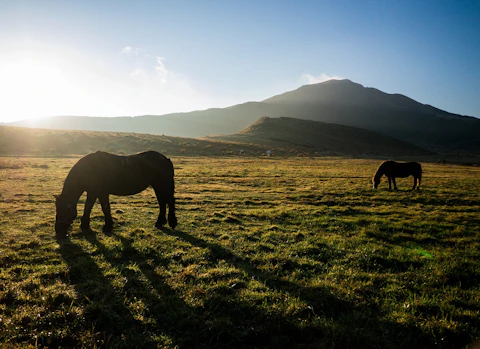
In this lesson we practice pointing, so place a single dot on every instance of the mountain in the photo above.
(322, 138)
(193, 124)
(336, 101)
(348, 103)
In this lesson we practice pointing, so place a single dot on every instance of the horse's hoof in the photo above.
(172, 222)
(107, 229)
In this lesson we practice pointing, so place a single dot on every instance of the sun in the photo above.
(30, 88)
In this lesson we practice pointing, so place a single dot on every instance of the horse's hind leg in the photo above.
(172, 219)
(105, 202)
(85, 222)
(161, 220)
(164, 199)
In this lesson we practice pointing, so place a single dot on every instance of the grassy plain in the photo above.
(269, 253)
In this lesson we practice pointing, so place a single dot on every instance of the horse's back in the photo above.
(152, 161)
(407, 169)
(149, 154)
(121, 175)
(104, 159)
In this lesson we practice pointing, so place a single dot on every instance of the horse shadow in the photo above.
(225, 319)
(323, 302)
(108, 306)
(168, 313)
(92, 287)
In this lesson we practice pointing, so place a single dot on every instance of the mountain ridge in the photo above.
(335, 101)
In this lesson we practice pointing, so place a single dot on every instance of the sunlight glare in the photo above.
(29, 88)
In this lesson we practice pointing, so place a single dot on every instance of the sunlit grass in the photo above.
(268, 253)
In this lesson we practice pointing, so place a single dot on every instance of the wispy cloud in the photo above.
(151, 82)
(134, 51)
(137, 72)
(161, 70)
(310, 79)
(127, 50)
(151, 71)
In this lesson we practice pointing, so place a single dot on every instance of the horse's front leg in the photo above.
(389, 182)
(394, 183)
(162, 203)
(414, 183)
(105, 202)
(85, 222)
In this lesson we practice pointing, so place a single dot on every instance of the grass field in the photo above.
(269, 253)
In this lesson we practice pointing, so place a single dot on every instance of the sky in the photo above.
(129, 58)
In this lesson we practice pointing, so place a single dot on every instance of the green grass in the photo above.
(269, 253)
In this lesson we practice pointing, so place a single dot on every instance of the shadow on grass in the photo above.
(329, 322)
(103, 307)
(225, 319)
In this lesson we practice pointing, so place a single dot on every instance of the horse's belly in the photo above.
(401, 175)
(127, 191)
(126, 186)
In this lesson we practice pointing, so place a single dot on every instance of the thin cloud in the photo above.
(151, 87)
(310, 79)
(134, 51)
(126, 50)
(161, 70)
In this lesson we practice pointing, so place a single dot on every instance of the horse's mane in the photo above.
(379, 173)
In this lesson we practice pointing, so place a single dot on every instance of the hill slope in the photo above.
(347, 103)
(336, 101)
(17, 141)
(322, 138)
(284, 136)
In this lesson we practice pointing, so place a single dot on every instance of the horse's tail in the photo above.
(172, 185)
(166, 168)
(172, 219)
(420, 169)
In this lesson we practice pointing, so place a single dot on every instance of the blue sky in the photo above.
(118, 58)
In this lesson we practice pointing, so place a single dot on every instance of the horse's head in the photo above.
(66, 212)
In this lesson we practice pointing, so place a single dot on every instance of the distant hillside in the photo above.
(335, 101)
(283, 136)
(193, 124)
(322, 138)
(16, 141)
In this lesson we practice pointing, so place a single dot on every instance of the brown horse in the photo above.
(393, 169)
(101, 174)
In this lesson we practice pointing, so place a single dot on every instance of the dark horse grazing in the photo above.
(101, 174)
(393, 169)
